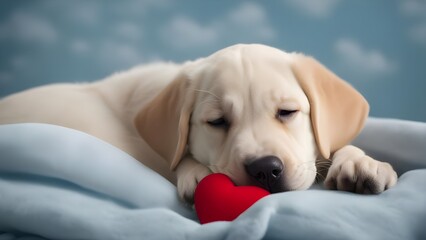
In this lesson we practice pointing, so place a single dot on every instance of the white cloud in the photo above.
(413, 8)
(246, 23)
(356, 59)
(183, 32)
(28, 28)
(249, 21)
(128, 30)
(118, 55)
(87, 13)
(79, 12)
(314, 8)
(140, 7)
(418, 34)
(416, 11)
(19, 62)
(80, 47)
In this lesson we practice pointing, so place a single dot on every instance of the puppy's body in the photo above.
(243, 106)
(105, 109)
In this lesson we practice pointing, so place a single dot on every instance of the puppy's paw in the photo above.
(188, 180)
(354, 171)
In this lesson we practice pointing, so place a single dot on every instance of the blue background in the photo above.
(378, 46)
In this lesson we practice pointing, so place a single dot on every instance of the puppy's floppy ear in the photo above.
(338, 111)
(164, 122)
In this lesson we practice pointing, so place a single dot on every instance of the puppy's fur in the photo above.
(218, 113)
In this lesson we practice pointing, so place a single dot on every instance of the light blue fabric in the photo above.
(58, 183)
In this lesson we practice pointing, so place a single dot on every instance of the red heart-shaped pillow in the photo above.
(216, 198)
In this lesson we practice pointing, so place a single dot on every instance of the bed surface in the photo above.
(59, 183)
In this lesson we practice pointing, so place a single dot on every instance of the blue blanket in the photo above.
(58, 183)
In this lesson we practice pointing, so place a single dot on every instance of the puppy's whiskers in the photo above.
(314, 168)
(323, 164)
(322, 169)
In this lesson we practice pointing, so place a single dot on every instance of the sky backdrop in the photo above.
(378, 46)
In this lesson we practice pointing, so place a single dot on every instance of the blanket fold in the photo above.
(59, 183)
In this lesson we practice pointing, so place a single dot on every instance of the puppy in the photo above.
(260, 115)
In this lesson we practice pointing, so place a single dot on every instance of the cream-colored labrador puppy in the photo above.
(262, 116)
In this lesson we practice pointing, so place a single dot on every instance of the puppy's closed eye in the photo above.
(220, 122)
(284, 114)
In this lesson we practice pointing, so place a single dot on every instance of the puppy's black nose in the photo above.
(268, 172)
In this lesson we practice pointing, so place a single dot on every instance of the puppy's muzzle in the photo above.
(267, 172)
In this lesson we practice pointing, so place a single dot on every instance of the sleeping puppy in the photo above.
(260, 115)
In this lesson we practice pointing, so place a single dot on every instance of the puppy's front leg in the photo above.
(189, 173)
(353, 171)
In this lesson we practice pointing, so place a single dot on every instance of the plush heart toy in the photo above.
(217, 198)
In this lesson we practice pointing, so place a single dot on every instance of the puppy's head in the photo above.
(255, 113)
